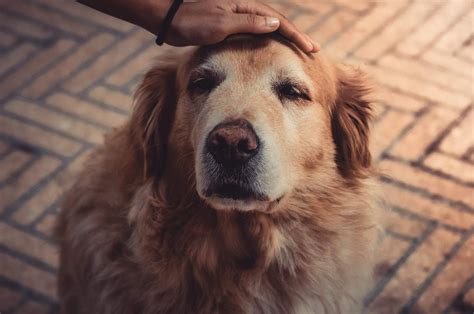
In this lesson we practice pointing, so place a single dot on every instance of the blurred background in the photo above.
(67, 75)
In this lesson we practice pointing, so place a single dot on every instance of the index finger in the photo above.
(287, 29)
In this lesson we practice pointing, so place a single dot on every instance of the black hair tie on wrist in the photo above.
(160, 37)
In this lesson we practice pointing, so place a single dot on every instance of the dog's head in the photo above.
(253, 119)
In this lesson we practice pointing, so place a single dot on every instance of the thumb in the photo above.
(252, 23)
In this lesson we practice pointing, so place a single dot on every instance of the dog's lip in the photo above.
(254, 201)
(235, 191)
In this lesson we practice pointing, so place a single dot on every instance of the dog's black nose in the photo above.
(233, 143)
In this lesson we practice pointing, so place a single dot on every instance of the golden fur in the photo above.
(136, 237)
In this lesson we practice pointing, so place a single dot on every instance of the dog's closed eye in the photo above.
(204, 81)
(290, 90)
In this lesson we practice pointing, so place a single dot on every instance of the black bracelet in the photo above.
(160, 37)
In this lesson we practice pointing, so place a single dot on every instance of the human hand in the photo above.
(206, 22)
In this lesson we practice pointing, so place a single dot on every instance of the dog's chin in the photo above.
(246, 205)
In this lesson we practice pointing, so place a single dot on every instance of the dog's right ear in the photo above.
(350, 124)
(153, 115)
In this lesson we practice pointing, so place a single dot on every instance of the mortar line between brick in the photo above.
(457, 300)
(86, 98)
(12, 177)
(401, 261)
(29, 293)
(441, 34)
(6, 98)
(412, 215)
(455, 205)
(323, 19)
(377, 31)
(427, 282)
(27, 259)
(53, 88)
(18, 118)
(442, 135)
(96, 26)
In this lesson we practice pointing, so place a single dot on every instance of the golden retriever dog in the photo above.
(242, 183)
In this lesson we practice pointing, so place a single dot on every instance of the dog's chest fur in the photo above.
(203, 261)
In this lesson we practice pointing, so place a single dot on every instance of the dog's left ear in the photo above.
(350, 121)
(153, 115)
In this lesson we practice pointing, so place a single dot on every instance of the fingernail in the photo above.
(272, 22)
(316, 47)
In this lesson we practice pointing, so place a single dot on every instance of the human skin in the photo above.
(204, 22)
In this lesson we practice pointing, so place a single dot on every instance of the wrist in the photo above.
(154, 14)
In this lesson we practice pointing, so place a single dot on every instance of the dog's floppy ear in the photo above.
(153, 115)
(350, 124)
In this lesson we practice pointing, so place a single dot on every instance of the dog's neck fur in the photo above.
(233, 254)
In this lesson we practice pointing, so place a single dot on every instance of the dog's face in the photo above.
(260, 119)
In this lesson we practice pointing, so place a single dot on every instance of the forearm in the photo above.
(147, 14)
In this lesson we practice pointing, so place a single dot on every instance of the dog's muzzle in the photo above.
(232, 161)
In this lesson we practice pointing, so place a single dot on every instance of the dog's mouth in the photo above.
(233, 196)
(234, 191)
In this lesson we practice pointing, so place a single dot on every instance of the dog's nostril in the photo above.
(246, 146)
(233, 143)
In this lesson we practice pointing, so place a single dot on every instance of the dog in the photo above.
(242, 183)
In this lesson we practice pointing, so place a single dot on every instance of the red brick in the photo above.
(366, 25)
(305, 21)
(46, 225)
(446, 285)
(33, 307)
(58, 121)
(417, 87)
(389, 251)
(8, 299)
(28, 276)
(426, 130)
(12, 163)
(52, 18)
(36, 64)
(15, 56)
(451, 166)
(414, 68)
(29, 245)
(426, 181)
(404, 225)
(415, 270)
(356, 5)
(466, 52)
(426, 208)
(396, 30)
(136, 66)
(24, 27)
(88, 14)
(460, 138)
(387, 130)
(448, 62)
(3, 147)
(431, 29)
(38, 171)
(398, 100)
(112, 98)
(82, 54)
(6, 39)
(85, 110)
(38, 137)
(105, 62)
(29, 211)
(457, 35)
(50, 193)
(332, 26)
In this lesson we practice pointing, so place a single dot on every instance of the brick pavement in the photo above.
(67, 75)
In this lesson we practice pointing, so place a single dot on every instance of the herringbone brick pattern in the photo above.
(67, 75)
